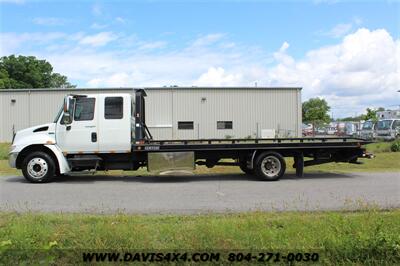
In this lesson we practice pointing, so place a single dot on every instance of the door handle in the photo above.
(68, 128)
(94, 137)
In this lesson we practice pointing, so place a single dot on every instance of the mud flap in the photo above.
(299, 164)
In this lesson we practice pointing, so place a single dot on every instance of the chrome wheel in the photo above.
(37, 168)
(271, 166)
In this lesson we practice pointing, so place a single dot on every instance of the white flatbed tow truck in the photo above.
(108, 131)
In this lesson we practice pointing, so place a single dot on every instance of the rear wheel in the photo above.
(38, 167)
(270, 166)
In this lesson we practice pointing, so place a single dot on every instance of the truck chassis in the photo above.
(249, 153)
(261, 157)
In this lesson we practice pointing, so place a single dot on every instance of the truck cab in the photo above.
(78, 130)
(368, 130)
(388, 129)
(87, 132)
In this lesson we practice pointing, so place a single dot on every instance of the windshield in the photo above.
(384, 124)
(368, 125)
(58, 115)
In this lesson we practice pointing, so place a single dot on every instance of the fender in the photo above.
(43, 135)
(62, 162)
(253, 156)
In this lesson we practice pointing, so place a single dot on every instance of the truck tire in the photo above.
(245, 169)
(38, 167)
(270, 166)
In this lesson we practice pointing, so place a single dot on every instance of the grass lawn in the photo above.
(6, 170)
(4, 148)
(379, 147)
(365, 237)
(385, 161)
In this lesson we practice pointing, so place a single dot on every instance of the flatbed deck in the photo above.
(252, 144)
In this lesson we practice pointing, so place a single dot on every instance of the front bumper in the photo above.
(12, 159)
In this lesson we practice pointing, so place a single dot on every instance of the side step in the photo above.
(84, 161)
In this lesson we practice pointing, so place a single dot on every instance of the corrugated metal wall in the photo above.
(159, 119)
(249, 109)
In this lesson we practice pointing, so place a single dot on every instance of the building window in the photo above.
(84, 109)
(224, 125)
(185, 125)
(113, 107)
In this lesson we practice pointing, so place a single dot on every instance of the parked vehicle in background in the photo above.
(340, 128)
(388, 129)
(330, 130)
(368, 130)
(320, 131)
(307, 130)
(351, 128)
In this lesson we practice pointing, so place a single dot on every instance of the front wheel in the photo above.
(38, 167)
(270, 166)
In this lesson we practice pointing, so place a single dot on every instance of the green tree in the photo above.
(316, 112)
(17, 72)
(372, 114)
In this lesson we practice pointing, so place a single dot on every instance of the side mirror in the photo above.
(67, 108)
(66, 119)
(66, 104)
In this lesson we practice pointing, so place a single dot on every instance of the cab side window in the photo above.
(84, 109)
(113, 107)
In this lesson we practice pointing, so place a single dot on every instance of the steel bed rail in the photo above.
(266, 140)
(245, 144)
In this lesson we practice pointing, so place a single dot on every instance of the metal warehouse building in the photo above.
(175, 112)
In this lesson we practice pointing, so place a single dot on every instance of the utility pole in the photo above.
(399, 105)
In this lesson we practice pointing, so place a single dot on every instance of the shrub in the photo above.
(395, 147)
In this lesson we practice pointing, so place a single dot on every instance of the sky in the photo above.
(347, 52)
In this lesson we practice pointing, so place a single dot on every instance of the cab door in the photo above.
(81, 135)
(114, 121)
